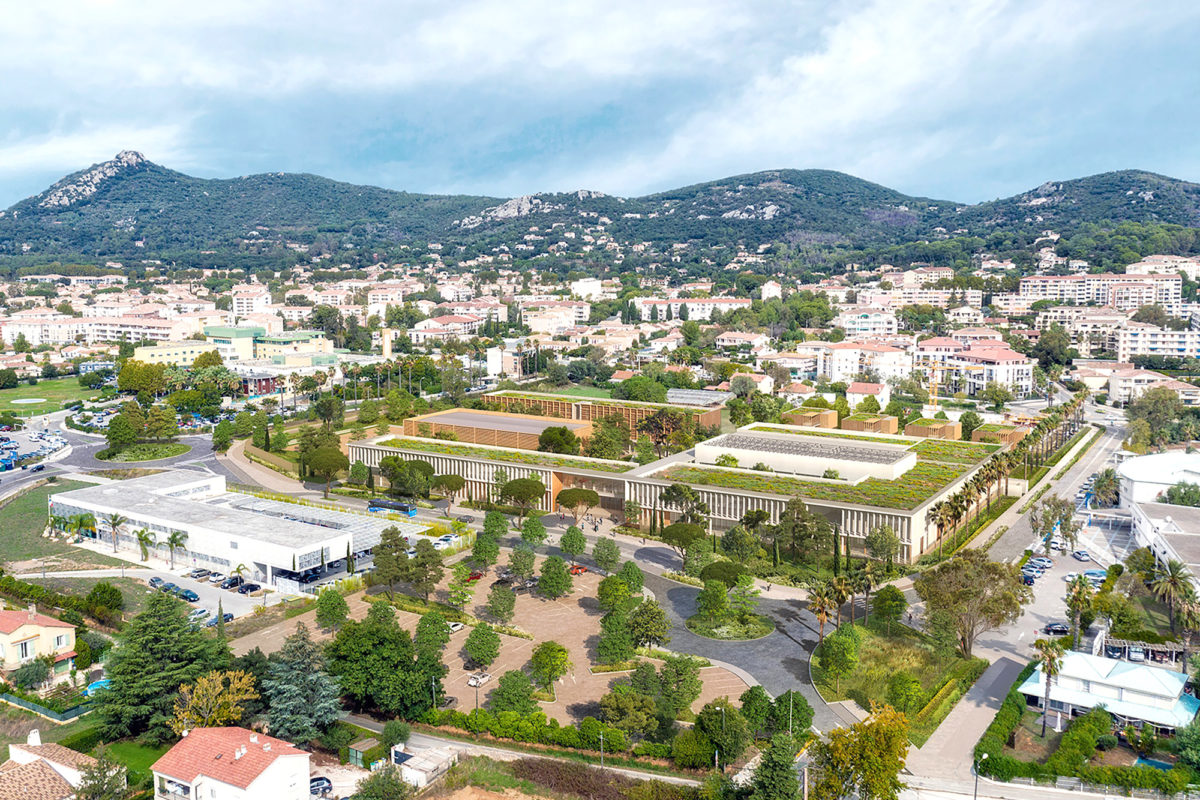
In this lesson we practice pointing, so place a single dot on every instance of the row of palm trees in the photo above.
(827, 598)
(85, 524)
(1049, 434)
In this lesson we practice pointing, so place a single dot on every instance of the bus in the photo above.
(392, 505)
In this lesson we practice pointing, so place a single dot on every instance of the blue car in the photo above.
(1096, 573)
(96, 686)
(212, 623)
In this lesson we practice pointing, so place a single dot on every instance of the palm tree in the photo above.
(145, 540)
(176, 541)
(1169, 583)
(59, 522)
(820, 603)
(841, 589)
(1104, 490)
(1050, 658)
(870, 579)
(1189, 622)
(1079, 599)
(82, 522)
(239, 570)
(114, 522)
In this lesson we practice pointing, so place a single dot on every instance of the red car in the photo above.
(578, 569)
(474, 576)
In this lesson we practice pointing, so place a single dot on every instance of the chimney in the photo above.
(254, 738)
(34, 739)
(184, 732)
(266, 747)
(237, 753)
(32, 611)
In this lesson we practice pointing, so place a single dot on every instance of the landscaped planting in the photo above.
(530, 457)
(835, 434)
(953, 452)
(911, 490)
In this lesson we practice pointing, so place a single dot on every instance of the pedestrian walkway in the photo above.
(236, 461)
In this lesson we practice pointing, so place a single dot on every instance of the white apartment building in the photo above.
(699, 308)
(440, 329)
(1129, 384)
(914, 296)
(1163, 265)
(579, 311)
(1142, 339)
(996, 363)
(486, 308)
(1118, 291)
(587, 288)
(250, 300)
(860, 322)
(771, 290)
(453, 292)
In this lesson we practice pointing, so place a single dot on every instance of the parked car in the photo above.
(466, 519)
(479, 678)
(319, 785)
(1081, 555)
(447, 537)
(39, 467)
(216, 577)
(455, 627)
(1041, 561)
(212, 623)
(474, 576)
(1096, 573)
(156, 582)
(578, 569)
(199, 613)
(232, 582)
(1057, 629)
(1136, 653)
(189, 595)
(334, 565)
(248, 588)
(440, 545)
(1070, 576)
(168, 588)
(1113, 652)
(1027, 580)
(199, 574)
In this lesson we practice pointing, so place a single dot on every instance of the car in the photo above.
(466, 519)
(232, 582)
(1081, 555)
(216, 577)
(503, 580)
(319, 785)
(440, 545)
(1113, 652)
(248, 588)
(1136, 653)
(309, 577)
(212, 623)
(168, 588)
(96, 686)
(199, 613)
(39, 467)
(199, 573)
(1040, 561)
(455, 627)
(1096, 573)
(531, 583)
(1027, 580)
(1057, 629)
(334, 565)
(578, 569)
(474, 576)
(189, 595)
(410, 552)
(1070, 576)
(479, 678)
(155, 582)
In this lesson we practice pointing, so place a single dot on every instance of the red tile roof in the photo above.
(212, 752)
(861, 387)
(12, 620)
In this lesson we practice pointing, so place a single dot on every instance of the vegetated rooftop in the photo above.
(880, 453)
(530, 457)
(538, 397)
(939, 464)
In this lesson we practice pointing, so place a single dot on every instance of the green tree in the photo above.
(521, 561)
(631, 574)
(384, 784)
(1157, 407)
(606, 554)
(558, 439)
(483, 644)
(904, 692)
(996, 395)
(739, 544)
(630, 712)
(554, 581)
(648, 625)
(969, 421)
(1049, 659)
(394, 732)
(533, 532)
(723, 724)
(513, 692)
(864, 760)
(713, 600)
(390, 560)
(572, 543)
(485, 551)
(790, 713)
(120, 433)
(679, 683)
(973, 595)
(368, 412)
(326, 462)
(332, 609)
(679, 536)
(883, 544)
(425, 569)
(461, 587)
(104, 780)
(775, 776)
(612, 593)
(501, 602)
(839, 655)
(615, 644)
(524, 494)
(159, 650)
(303, 697)
(578, 501)
(756, 708)
(222, 436)
(743, 597)
(549, 662)
(889, 605)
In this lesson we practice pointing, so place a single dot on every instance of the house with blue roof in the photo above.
(1137, 694)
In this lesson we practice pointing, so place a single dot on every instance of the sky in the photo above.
(965, 101)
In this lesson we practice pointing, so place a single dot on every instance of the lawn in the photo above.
(135, 591)
(16, 723)
(730, 629)
(23, 521)
(585, 391)
(148, 451)
(50, 394)
(531, 457)
(137, 758)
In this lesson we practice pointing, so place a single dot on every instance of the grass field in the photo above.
(23, 521)
(149, 451)
(16, 723)
(137, 758)
(51, 393)
(585, 391)
(135, 591)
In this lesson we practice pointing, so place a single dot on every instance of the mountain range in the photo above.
(130, 206)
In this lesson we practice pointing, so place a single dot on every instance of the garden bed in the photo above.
(728, 629)
(530, 457)
(145, 451)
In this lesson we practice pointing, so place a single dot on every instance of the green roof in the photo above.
(531, 457)
(230, 332)
(292, 336)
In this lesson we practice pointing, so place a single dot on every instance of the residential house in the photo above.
(26, 635)
(36, 771)
(231, 764)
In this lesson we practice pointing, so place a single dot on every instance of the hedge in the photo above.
(534, 728)
(20, 590)
(83, 741)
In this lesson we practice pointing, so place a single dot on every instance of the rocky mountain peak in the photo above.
(82, 185)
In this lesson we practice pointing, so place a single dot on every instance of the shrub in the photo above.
(690, 748)
(84, 741)
(1106, 742)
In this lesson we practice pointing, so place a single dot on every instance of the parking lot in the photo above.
(24, 448)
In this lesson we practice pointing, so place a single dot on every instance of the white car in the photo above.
(455, 627)
(440, 545)
(479, 678)
(199, 613)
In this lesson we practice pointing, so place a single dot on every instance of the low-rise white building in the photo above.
(231, 764)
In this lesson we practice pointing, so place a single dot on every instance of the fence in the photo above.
(1077, 785)
(37, 708)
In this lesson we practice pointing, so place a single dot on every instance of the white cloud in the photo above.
(163, 143)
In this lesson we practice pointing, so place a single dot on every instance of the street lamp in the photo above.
(432, 691)
(601, 749)
(982, 759)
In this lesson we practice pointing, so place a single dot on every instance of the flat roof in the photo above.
(698, 397)
(231, 332)
(175, 497)
(796, 445)
(499, 421)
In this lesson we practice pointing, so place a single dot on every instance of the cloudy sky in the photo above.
(968, 100)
